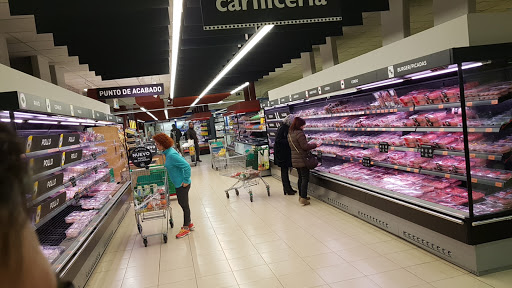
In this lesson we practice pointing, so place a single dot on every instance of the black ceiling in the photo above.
(129, 38)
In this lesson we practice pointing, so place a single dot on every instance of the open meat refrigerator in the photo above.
(79, 179)
(421, 149)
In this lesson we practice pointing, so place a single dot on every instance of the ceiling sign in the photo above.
(228, 14)
(130, 91)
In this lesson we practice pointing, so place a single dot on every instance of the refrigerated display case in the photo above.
(77, 202)
(421, 149)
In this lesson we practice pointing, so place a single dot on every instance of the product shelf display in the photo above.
(434, 143)
(79, 188)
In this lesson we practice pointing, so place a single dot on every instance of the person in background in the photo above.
(176, 137)
(22, 264)
(191, 134)
(179, 172)
(283, 154)
(299, 147)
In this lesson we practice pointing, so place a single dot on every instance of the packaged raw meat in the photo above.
(451, 95)
(434, 97)
(435, 119)
(407, 101)
(419, 99)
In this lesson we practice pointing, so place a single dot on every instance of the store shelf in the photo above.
(481, 155)
(43, 220)
(410, 129)
(480, 180)
(251, 121)
(256, 130)
(39, 175)
(67, 184)
(42, 152)
(84, 236)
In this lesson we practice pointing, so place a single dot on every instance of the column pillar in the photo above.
(396, 23)
(4, 52)
(445, 11)
(329, 53)
(308, 63)
(41, 68)
(252, 91)
(57, 75)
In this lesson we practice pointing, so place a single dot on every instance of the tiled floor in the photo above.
(273, 242)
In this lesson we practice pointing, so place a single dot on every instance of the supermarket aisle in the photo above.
(273, 242)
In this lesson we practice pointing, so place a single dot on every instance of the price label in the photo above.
(367, 162)
(72, 180)
(383, 147)
(427, 151)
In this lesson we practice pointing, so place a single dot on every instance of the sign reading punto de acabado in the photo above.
(228, 14)
(130, 91)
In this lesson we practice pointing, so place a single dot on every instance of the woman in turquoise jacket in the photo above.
(179, 172)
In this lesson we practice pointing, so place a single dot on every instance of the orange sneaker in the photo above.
(183, 232)
(191, 227)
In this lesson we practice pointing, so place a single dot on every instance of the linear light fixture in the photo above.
(448, 70)
(240, 88)
(149, 113)
(166, 114)
(69, 123)
(41, 122)
(255, 39)
(381, 83)
(177, 11)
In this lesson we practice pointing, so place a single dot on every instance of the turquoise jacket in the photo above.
(177, 167)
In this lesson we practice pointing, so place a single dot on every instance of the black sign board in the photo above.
(46, 184)
(427, 151)
(72, 156)
(130, 91)
(42, 142)
(45, 163)
(81, 112)
(100, 116)
(271, 116)
(284, 100)
(119, 120)
(272, 125)
(333, 87)
(264, 104)
(31, 102)
(360, 80)
(367, 162)
(141, 157)
(416, 65)
(314, 92)
(70, 139)
(274, 102)
(298, 96)
(111, 118)
(49, 206)
(283, 115)
(59, 108)
(383, 147)
(227, 14)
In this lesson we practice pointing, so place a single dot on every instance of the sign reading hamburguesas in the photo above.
(131, 91)
(228, 14)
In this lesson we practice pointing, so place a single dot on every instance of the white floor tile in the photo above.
(272, 243)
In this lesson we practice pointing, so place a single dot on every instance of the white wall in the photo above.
(14, 80)
(472, 29)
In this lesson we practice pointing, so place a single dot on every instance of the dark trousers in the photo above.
(285, 178)
(196, 146)
(303, 181)
(182, 194)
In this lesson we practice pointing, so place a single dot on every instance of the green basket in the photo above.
(252, 160)
(156, 177)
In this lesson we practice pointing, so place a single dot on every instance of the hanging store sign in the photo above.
(228, 14)
(69, 139)
(130, 91)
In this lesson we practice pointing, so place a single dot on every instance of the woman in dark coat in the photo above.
(300, 146)
(283, 154)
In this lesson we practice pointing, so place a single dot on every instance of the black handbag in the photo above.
(309, 159)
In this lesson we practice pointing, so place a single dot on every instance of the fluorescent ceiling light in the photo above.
(69, 123)
(240, 88)
(138, 120)
(245, 49)
(85, 89)
(381, 83)
(9, 120)
(195, 102)
(166, 114)
(42, 122)
(87, 124)
(149, 113)
(177, 10)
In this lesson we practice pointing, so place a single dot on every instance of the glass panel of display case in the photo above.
(488, 93)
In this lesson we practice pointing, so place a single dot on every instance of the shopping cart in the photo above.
(151, 199)
(190, 147)
(218, 153)
(236, 167)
